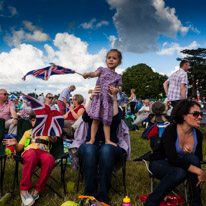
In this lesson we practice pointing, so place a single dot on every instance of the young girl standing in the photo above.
(101, 108)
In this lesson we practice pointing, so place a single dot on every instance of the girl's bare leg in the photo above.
(107, 135)
(94, 128)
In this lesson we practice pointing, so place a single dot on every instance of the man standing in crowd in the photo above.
(64, 98)
(176, 86)
(7, 112)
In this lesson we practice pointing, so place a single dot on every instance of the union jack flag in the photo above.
(46, 72)
(49, 121)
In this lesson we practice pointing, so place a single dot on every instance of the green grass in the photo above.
(137, 179)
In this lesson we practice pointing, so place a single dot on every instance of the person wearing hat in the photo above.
(143, 112)
(158, 112)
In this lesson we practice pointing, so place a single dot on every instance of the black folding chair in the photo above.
(57, 150)
(2, 154)
(154, 143)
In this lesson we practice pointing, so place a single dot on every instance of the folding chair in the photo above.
(120, 164)
(2, 154)
(57, 150)
(154, 144)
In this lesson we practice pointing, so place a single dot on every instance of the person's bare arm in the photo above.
(201, 175)
(12, 141)
(113, 96)
(78, 114)
(53, 139)
(95, 91)
(65, 101)
(183, 91)
(166, 86)
(91, 74)
(14, 116)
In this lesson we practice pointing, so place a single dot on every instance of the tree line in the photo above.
(149, 84)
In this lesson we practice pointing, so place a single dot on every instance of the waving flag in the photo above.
(46, 72)
(49, 121)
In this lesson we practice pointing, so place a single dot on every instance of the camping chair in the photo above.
(154, 144)
(57, 151)
(120, 164)
(2, 154)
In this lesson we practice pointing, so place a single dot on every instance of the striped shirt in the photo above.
(65, 94)
(175, 80)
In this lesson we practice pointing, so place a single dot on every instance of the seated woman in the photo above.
(36, 151)
(75, 111)
(98, 159)
(179, 155)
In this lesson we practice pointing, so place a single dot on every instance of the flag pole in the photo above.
(78, 73)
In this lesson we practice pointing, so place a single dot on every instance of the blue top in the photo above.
(65, 94)
(179, 149)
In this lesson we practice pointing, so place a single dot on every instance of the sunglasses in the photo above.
(5, 94)
(50, 97)
(74, 99)
(196, 114)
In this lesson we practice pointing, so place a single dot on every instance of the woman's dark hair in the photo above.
(181, 109)
(32, 115)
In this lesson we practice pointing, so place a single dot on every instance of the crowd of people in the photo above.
(101, 136)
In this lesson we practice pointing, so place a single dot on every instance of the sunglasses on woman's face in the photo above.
(50, 97)
(196, 114)
(5, 94)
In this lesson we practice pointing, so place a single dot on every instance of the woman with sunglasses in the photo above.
(179, 155)
(49, 100)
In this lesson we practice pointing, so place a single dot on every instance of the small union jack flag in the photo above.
(46, 72)
(49, 121)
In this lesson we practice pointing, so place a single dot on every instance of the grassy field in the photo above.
(137, 179)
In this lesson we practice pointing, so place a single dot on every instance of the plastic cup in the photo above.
(70, 186)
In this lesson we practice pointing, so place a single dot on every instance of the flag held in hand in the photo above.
(46, 72)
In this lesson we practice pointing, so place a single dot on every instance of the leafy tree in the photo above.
(33, 94)
(16, 93)
(197, 71)
(146, 82)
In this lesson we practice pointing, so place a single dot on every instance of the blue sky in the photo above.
(77, 34)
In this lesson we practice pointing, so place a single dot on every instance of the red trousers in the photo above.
(31, 158)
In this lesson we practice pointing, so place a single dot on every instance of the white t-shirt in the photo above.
(145, 108)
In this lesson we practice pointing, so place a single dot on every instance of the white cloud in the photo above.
(30, 26)
(66, 50)
(171, 72)
(37, 36)
(17, 37)
(194, 29)
(139, 24)
(93, 24)
(170, 49)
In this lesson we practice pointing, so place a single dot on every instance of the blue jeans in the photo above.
(170, 177)
(98, 161)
